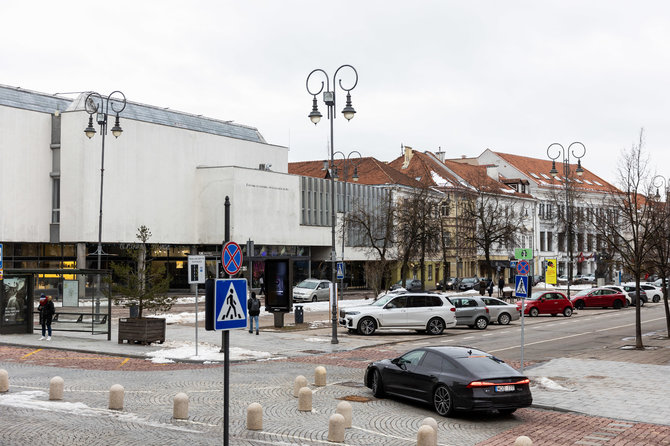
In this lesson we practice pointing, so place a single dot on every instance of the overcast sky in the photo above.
(512, 76)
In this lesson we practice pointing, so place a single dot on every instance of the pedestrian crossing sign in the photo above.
(230, 304)
(521, 286)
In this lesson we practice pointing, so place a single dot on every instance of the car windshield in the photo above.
(310, 284)
(383, 300)
(536, 295)
(469, 280)
(584, 292)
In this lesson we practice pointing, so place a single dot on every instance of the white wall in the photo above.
(25, 185)
(150, 179)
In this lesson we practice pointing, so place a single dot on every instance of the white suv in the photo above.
(418, 311)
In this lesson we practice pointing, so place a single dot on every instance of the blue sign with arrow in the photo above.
(230, 304)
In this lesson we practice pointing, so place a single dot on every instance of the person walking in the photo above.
(490, 288)
(254, 309)
(501, 285)
(47, 310)
(482, 287)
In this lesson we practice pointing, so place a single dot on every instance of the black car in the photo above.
(451, 284)
(469, 283)
(410, 285)
(451, 378)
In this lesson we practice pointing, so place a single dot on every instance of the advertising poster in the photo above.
(551, 272)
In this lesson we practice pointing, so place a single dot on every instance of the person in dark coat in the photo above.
(501, 285)
(47, 310)
(482, 287)
(490, 288)
(254, 309)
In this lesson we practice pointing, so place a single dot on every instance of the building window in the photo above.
(550, 241)
(543, 246)
(430, 272)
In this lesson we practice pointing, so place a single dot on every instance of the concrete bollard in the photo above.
(299, 383)
(254, 417)
(56, 388)
(523, 441)
(430, 421)
(180, 408)
(305, 399)
(344, 409)
(320, 376)
(116, 394)
(426, 436)
(4, 381)
(336, 428)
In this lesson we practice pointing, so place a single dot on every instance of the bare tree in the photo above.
(370, 226)
(627, 224)
(660, 247)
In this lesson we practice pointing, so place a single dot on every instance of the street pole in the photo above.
(329, 98)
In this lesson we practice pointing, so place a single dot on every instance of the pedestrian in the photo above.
(47, 310)
(262, 283)
(490, 288)
(254, 309)
(482, 287)
(501, 285)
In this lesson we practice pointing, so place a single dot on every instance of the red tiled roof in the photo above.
(535, 167)
(370, 171)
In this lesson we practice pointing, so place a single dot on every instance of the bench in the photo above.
(90, 318)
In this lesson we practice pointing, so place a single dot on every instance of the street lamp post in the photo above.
(315, 116)
(97, 105)
(346, 159)
(565, 155)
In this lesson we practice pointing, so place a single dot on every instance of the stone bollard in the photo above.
(305, 399)
(336, 428)
(320, 376)
(523, 441)
(430, 421)
(299, 383)
(4, 381)
(426, 436)
(116, 393)
(56, 388)
(180, 408)
(254, 417)
(344, 409)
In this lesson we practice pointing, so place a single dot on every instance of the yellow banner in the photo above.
(550, 275)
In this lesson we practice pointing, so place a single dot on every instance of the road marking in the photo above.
(124, 361)
(32, 353)
(571, 336)
(468, 337)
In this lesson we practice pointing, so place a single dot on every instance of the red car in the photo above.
(599, 297)
(547, 302)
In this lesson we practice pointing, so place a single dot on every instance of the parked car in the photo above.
(418, 311)
(537, 279)
(562, 279)
(311, 290)
(409, 285)
(589, 278)
(451, 284)
(469, 283)
(629, 292)
(547, 302)
(653, 293)
(451, 379)
(471, 311)
(599, 297)
(500, 311)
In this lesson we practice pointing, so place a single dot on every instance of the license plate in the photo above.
(505, 388)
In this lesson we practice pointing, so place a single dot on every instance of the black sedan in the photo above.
(451, 378)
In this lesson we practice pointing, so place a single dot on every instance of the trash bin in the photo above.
(299, 315)
(134, 311)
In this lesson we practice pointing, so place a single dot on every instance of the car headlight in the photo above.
(352, 313)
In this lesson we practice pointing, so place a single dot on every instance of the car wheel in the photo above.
(506, 411)
(314, 299)
(376, 384)
(481, 323)
(567, 312)
(656, 299)
(579, 305)
(504, 319)
(367, 326)
(435, 326)
(443, 402)
(533, 312)
(617, 304)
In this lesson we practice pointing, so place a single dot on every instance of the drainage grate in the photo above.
(352, 384)
(356, 398)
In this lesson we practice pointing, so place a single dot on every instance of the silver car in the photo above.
(471, 311)
(311, 290)
(500, 311)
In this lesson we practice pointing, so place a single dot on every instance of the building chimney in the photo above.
(408, 157)
(492, 171)
(440, 154)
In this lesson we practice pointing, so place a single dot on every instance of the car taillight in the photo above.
(487, 309)
(474, 384)
(453, 309)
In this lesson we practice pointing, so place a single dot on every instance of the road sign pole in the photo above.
(523, 310)
(225, 342)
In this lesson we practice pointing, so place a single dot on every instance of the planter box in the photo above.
(143, 330)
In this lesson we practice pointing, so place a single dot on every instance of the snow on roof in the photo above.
(588, 182)
(534, 175)
(507, 191)
(598, 183)
(545, 176)
(438, 179)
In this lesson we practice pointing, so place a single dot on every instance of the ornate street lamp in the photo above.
(565, 157)
(329, 98)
